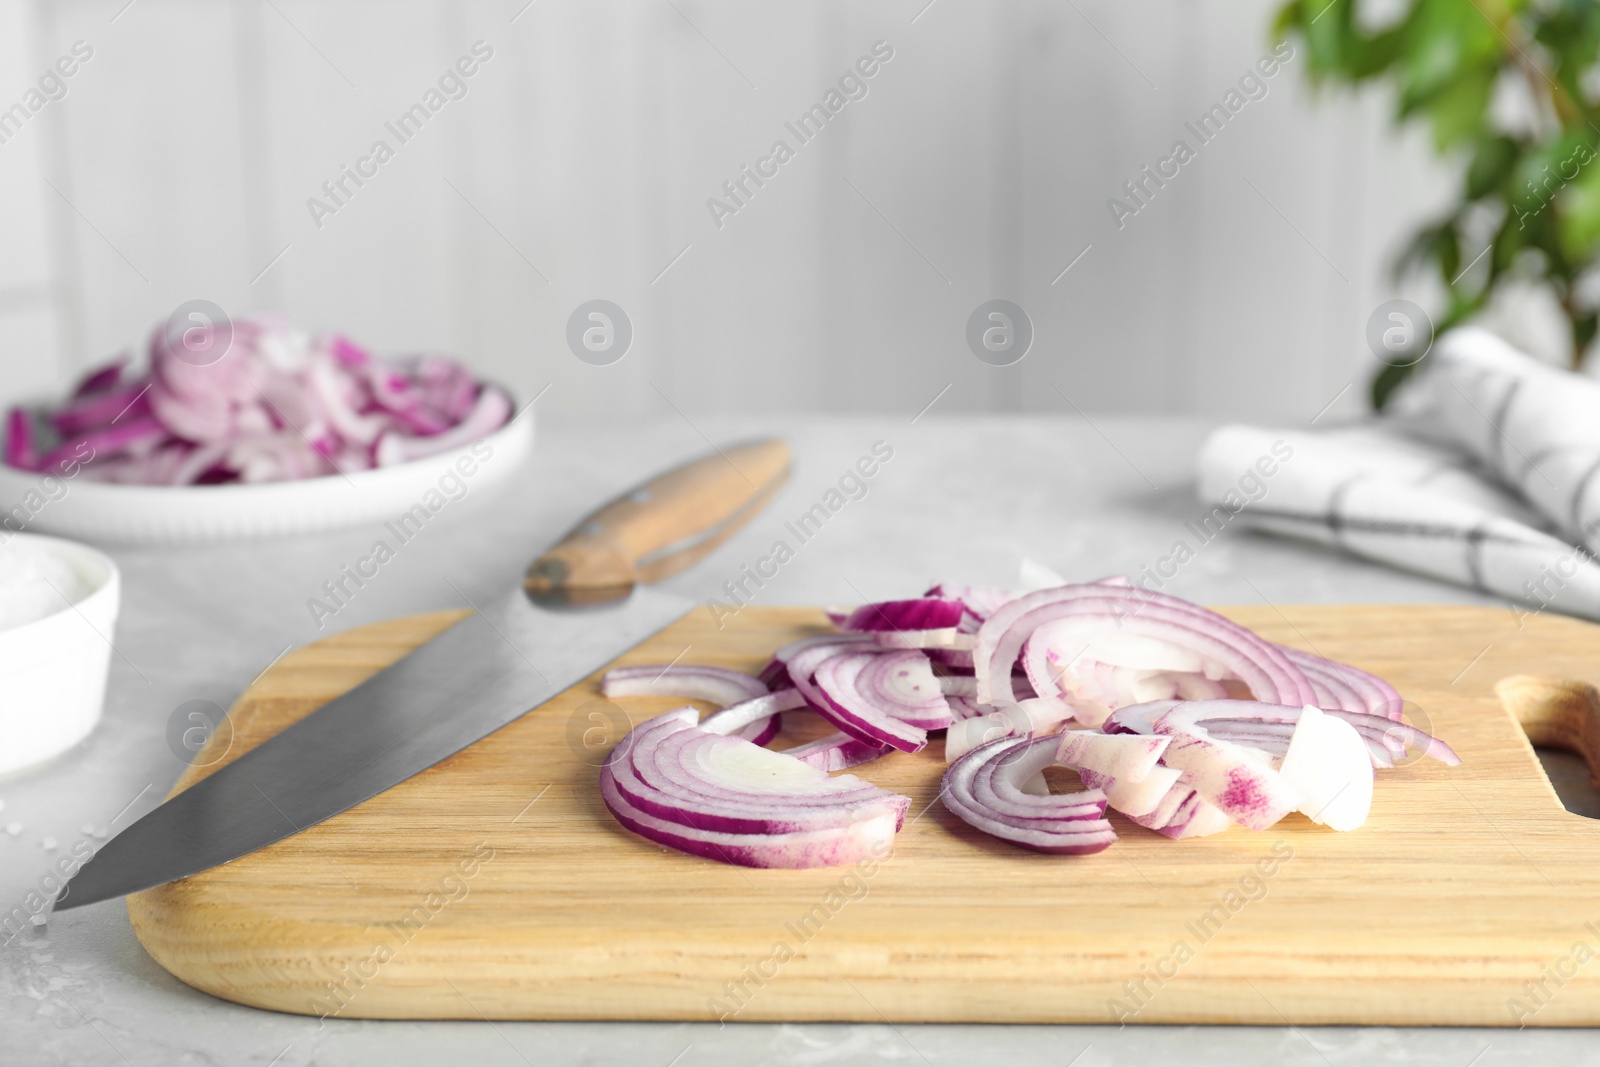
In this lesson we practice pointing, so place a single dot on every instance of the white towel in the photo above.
(1528, 424)
(1412, 504)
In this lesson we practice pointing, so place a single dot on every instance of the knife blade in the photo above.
(583, 603)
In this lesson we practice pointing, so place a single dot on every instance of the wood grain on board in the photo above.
(495, 885)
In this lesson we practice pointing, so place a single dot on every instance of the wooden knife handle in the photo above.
(1556, 713)
(661, 527)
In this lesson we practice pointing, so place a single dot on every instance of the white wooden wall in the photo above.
(978, 166)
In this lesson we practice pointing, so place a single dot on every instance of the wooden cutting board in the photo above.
(496, 885)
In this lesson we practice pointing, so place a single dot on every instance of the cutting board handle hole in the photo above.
(1562, 720)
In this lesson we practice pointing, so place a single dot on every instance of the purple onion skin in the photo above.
(925, 613)
(763, 851)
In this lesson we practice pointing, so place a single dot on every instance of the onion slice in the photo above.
(716, 685)
(984, 789)
(950, 639)
(1339, 685)
(837, 752)
(723, 798)
(1328, 765)
(849, 698)
(758, 719)
(1077, 612)
(925, 613)
(1124, 756)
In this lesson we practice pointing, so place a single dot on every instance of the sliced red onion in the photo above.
(1173, 753)
(965, 707)
(927, 613)
(272, 391)
(337, 397)
(1328, 765)
(955, 658)
(1093, 689)
(347, 352)
(758, 719)
(1386, 739)
(1339, 685)
(195, 462)
(715, 685)
(984, 789)
(1167, 807)
(103, 379)
(775, 675)
(850, 698)
(980, 601)
(726, 799)
(837, 752)
(834, 642)
(1242, 784)
(21, 449)
(96, 410)
(109, 440)
(1026, 718)
(667, 777)
(1084, 611)
(802, 658)
(1272, 738)
(1195, 817)
(731, 690)
(1124, 756)
(1329, 777)
(1135, 799)
(903, 684)
(1326, 762)
(944, 639)
(490, 413)
(976, 731)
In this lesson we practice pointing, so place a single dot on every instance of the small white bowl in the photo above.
(188, 514)
(53, 670)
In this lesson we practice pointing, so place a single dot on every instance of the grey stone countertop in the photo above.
(961, 499)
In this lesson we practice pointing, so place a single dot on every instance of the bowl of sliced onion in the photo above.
(252, 428)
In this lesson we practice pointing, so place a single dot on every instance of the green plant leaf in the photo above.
(1445, 60)
(1386, 381)
(1579, 216)
(1458, 110)
(1491, 166)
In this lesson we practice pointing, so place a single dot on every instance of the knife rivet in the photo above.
(640, 496)
(592, 529)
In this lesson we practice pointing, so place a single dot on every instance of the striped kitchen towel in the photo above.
(1414, 504)
(1530, 425)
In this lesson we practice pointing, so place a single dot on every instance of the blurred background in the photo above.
(578, 164)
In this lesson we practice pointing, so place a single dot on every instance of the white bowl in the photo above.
(186, 514)
(53, 670)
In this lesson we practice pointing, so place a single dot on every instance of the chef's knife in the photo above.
(582, 604)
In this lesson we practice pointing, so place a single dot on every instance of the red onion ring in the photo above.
(1341, 686)
(926, 613)
(715, 685)
(1129, 609)
(837, 752)
(849, 697)
(984, 789)
(723, 798)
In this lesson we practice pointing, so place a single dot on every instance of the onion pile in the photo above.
(276, 405)
(1144, 695)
